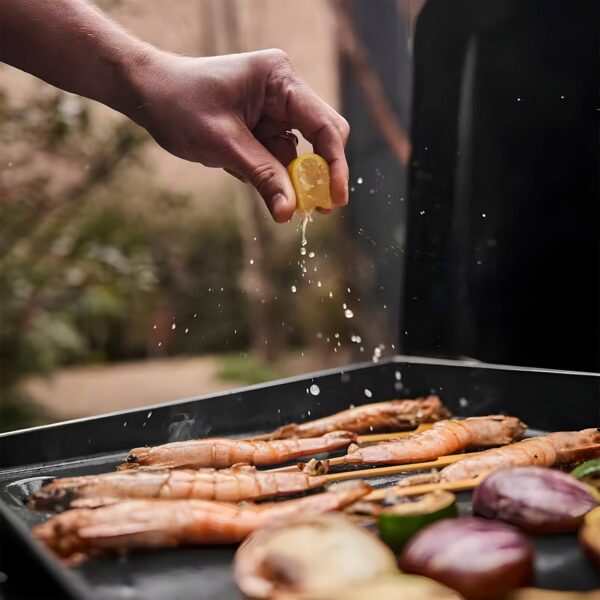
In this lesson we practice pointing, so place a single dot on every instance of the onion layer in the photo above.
(536, 499)
(478, 558)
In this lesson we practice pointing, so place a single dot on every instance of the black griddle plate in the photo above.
(546, 400)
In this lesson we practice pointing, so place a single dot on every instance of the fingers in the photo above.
(253, 162)
(282, 148)
(329, 143)
(293, 102)
(276, 137)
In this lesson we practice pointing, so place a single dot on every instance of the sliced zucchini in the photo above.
(588, 472)
(399, 522)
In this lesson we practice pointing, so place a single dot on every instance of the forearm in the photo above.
(71, 45)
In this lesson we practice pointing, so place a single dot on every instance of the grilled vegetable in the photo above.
(313, 556)
(534, 498)
(544, 594)
(589, 535)
(392, 587)
(398, 523)
(478, 558)
(589, 472)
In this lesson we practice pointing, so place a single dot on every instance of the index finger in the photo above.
(326, 130)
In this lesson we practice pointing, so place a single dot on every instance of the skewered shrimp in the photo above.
(241, 482)
(79, 533)
(219, 453)
(445, 437)
(379, 416)
(560, 448)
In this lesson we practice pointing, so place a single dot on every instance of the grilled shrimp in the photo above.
(379, 416)
(223, 452)
(79, 533)
(560, 448)
(241, 482)
(445, 437)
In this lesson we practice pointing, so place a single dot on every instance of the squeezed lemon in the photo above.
(310, 177)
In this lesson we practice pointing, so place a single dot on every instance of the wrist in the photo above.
(135, 75)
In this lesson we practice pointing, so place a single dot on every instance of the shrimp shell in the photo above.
(445, 437)
(391, 415)
(219, 453)
(79, 533)
(241, 482)
(559, 448)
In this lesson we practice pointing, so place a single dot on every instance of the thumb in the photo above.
(259, 167)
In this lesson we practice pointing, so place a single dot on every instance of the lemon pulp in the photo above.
(310, 177)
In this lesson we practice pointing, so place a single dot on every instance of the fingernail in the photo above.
(279, 204)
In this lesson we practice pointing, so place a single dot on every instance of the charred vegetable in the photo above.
(314, 557)
(387, 587)
(398, 523)
(478, 558)
(537, 499)
(589, 472)
(589, 535)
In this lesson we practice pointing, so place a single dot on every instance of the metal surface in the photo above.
(548, 400)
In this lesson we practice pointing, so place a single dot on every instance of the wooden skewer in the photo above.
(416, 490)
(376, 437)
(442, 461)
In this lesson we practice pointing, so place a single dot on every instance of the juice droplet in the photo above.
(311, 255)
(305, 219)
(303, 250)
(293, 288)
(314, 389)
(348, 313)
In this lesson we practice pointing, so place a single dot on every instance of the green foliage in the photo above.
(243, 369)
(99, 263)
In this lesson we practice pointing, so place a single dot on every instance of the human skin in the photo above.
(224, 111)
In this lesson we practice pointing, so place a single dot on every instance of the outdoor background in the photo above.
(129, 277)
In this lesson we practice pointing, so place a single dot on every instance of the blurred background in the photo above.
(130, 277)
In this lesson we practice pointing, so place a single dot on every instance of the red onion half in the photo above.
(536, 499)
(478, 558)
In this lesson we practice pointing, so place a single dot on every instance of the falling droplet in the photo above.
(318, 284)
(303, 250)
(293, 288)
(348, 313)
(398, 375)
(173, 326)
(314, 389)
(251, 261)
(311, 255)
(359, 180)
(368, 393)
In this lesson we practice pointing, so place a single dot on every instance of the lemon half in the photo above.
(310, 177)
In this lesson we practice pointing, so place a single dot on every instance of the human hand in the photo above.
(233, 112)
